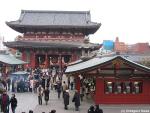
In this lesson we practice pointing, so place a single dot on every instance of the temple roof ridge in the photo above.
(52, 20)
(53, 11)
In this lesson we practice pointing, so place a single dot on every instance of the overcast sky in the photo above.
(127, 19)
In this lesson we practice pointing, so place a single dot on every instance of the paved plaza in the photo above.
(27, 101)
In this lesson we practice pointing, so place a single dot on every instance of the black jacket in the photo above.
(13, 102)
(66, 98)
(76, 99)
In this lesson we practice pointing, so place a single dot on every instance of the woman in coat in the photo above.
(13, 102)
(66, 99)
(5, 102)
(76, 100)
(46, 95)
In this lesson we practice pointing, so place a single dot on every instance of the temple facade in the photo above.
(52, 39)
(112, 80)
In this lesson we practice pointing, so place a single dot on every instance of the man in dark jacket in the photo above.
(66, 99)
(13, 102)
(59, 88)
(46, 95)
(76, 100)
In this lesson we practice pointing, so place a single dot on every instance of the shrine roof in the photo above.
(50, 44)
(54, 20)
(11, 60)
(97, 62)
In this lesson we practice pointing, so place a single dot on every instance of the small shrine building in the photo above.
(113, 80)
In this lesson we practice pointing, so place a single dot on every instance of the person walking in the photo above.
(66, 99)
(64, 87)
(40, 94)
(13, 102)
(76, 100)
(97, 109)
(46, 95)
(59, 88)
(5, 102)
(8, 83)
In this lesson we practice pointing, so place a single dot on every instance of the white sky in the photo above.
(127, 19)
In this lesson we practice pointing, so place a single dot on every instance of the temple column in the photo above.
(99, 90)
(77, 83)
(60, 63)
(24, 56)
(46, 60)
(32, 59)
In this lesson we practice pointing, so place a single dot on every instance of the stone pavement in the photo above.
(27, 101)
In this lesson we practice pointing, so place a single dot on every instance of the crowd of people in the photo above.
(41, 81)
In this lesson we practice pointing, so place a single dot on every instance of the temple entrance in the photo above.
(40, 61)
(53, 60)
(66, 58)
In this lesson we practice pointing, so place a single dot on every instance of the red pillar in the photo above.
(99, 91)
(32, 59)
(23, 56)
(46, 60)
(78, 84)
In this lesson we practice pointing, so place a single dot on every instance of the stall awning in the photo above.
(11, 60)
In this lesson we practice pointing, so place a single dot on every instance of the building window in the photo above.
(125, 87)
(137, 87)
(117, 87)
(108, 87)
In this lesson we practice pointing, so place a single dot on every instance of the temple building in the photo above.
(112, 80)
(53, 38)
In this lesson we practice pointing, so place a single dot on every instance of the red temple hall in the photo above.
(53, 38)
(113, 80)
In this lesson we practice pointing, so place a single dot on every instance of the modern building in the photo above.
(120, 46)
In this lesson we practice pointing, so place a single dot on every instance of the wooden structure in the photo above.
(116, 80)
(9, 63)
(53, 38)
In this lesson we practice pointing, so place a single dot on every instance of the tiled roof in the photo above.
(54, 19)
(50, 44)
(11, 60)
(92, 63)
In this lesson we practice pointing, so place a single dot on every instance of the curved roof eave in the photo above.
(91, 28)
